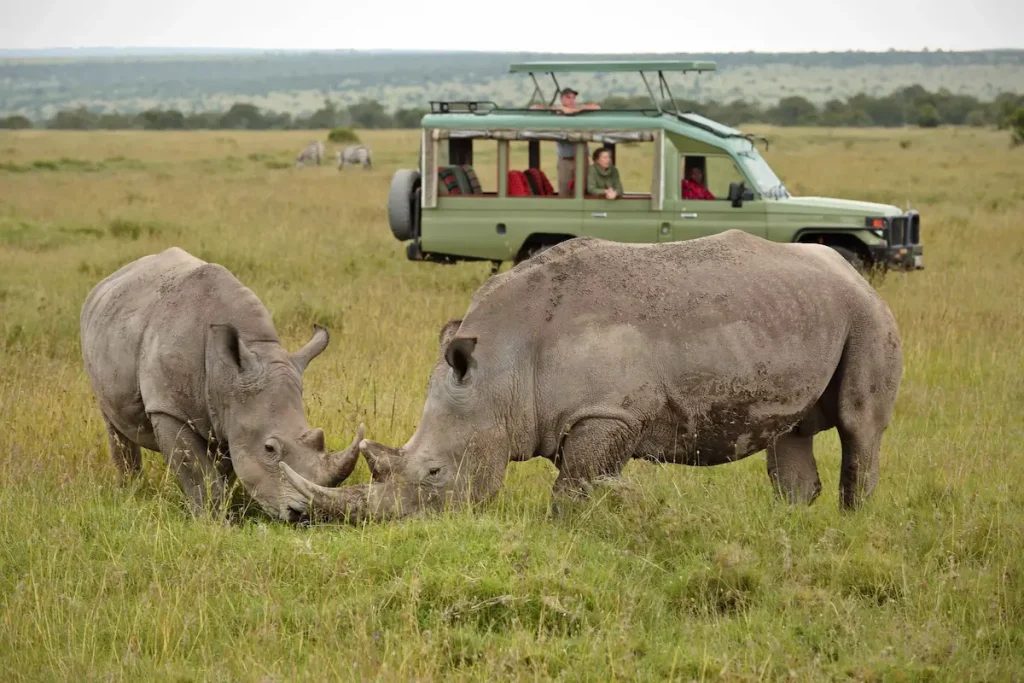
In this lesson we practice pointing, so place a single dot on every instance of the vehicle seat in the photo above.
(518, 186)
(539, 182)
(474, 181)
(449, 181)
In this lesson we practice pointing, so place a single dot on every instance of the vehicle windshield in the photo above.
(762, 174)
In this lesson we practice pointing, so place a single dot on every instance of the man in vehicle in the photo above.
(567, 150)
(693, 180)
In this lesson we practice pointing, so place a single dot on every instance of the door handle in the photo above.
(599, 214)
(688, 215)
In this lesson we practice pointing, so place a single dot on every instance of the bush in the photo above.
(1017, 127)
(15, 122)
(976, 118)
(342, 135)
(928, 116)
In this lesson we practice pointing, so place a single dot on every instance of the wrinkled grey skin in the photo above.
(314, 151)
(355, 155)
(699, 352)
(184, 359)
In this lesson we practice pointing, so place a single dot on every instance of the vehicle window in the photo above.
(721, 172)
(716, 174)
(636, 170)
(540, 180)
(477, 179)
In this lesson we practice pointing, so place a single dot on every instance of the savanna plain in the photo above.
(672, 573)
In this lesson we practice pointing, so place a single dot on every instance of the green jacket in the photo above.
(599, 180)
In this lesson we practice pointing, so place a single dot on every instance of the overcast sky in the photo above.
(594, 26)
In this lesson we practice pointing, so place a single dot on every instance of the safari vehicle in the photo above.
(481, 192)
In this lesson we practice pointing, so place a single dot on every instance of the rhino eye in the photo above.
(271, 447)
(433, 470)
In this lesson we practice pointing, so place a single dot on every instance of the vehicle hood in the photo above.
(820, 205)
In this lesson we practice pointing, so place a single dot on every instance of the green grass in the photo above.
(673, 573)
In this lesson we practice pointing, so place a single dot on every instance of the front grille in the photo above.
(914, 233)
(897, 230)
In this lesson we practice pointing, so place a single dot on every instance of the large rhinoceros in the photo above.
(699, 352)
(184, 360)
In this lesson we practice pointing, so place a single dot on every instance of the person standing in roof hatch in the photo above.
(567, 150)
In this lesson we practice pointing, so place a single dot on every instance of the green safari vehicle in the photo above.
(481, 192)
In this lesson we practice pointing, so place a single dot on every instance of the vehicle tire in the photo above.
(853, 258)
(400, 203)
(529, 252)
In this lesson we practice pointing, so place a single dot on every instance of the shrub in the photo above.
(976, 118)
(15, 122)
(928, 116)
(1017, 127)
(342, 135)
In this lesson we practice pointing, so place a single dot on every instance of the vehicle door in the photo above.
(631, 217)
(690, 218)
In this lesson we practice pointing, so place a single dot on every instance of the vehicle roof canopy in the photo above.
(611, 66)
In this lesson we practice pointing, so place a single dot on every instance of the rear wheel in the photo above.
(401, 207)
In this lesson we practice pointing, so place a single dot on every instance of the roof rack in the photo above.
(661, 66)
(471, 106)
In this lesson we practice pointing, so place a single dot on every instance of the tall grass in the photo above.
(675, 573)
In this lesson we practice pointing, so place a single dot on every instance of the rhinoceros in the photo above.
(593, 352)
(184, 359)
(355, 155)
(314, 151)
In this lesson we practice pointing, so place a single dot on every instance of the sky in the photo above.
(622, 26)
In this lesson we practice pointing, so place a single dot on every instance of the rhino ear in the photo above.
(225, 348)
(459, 355)
(448, 331)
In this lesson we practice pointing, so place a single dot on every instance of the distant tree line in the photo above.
(908, 106)
(913, 106)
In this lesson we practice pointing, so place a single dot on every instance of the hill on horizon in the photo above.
(40, 82)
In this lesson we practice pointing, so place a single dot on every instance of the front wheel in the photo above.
(853, 258)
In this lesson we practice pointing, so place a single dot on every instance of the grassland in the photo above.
(675, 574)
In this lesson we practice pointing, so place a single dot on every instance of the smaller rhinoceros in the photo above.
(184, 360)
(314, 151)
(355, 155)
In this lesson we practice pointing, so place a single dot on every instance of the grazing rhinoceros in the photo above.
(184, 360)
(355, 155)
(314, 151)
(699, 352)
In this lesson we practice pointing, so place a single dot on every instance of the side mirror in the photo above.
(737, 192)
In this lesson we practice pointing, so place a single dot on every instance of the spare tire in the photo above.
(400, 203)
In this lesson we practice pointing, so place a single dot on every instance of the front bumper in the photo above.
(903, 249)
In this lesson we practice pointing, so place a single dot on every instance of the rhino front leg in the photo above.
(593, 448)
(191, 460)
(124, 452)
(792, 468)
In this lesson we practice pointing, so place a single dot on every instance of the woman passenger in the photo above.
(602, 177)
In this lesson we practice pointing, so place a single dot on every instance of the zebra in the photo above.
(314, 151)
(355, 155)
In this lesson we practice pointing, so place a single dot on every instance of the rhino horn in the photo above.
(353, 504)
(313, 348)
(383, 460)
(339, 464)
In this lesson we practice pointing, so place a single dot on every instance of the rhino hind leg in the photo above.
(125, 453)
(792, 468)
(594, 448)
(193, 463)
